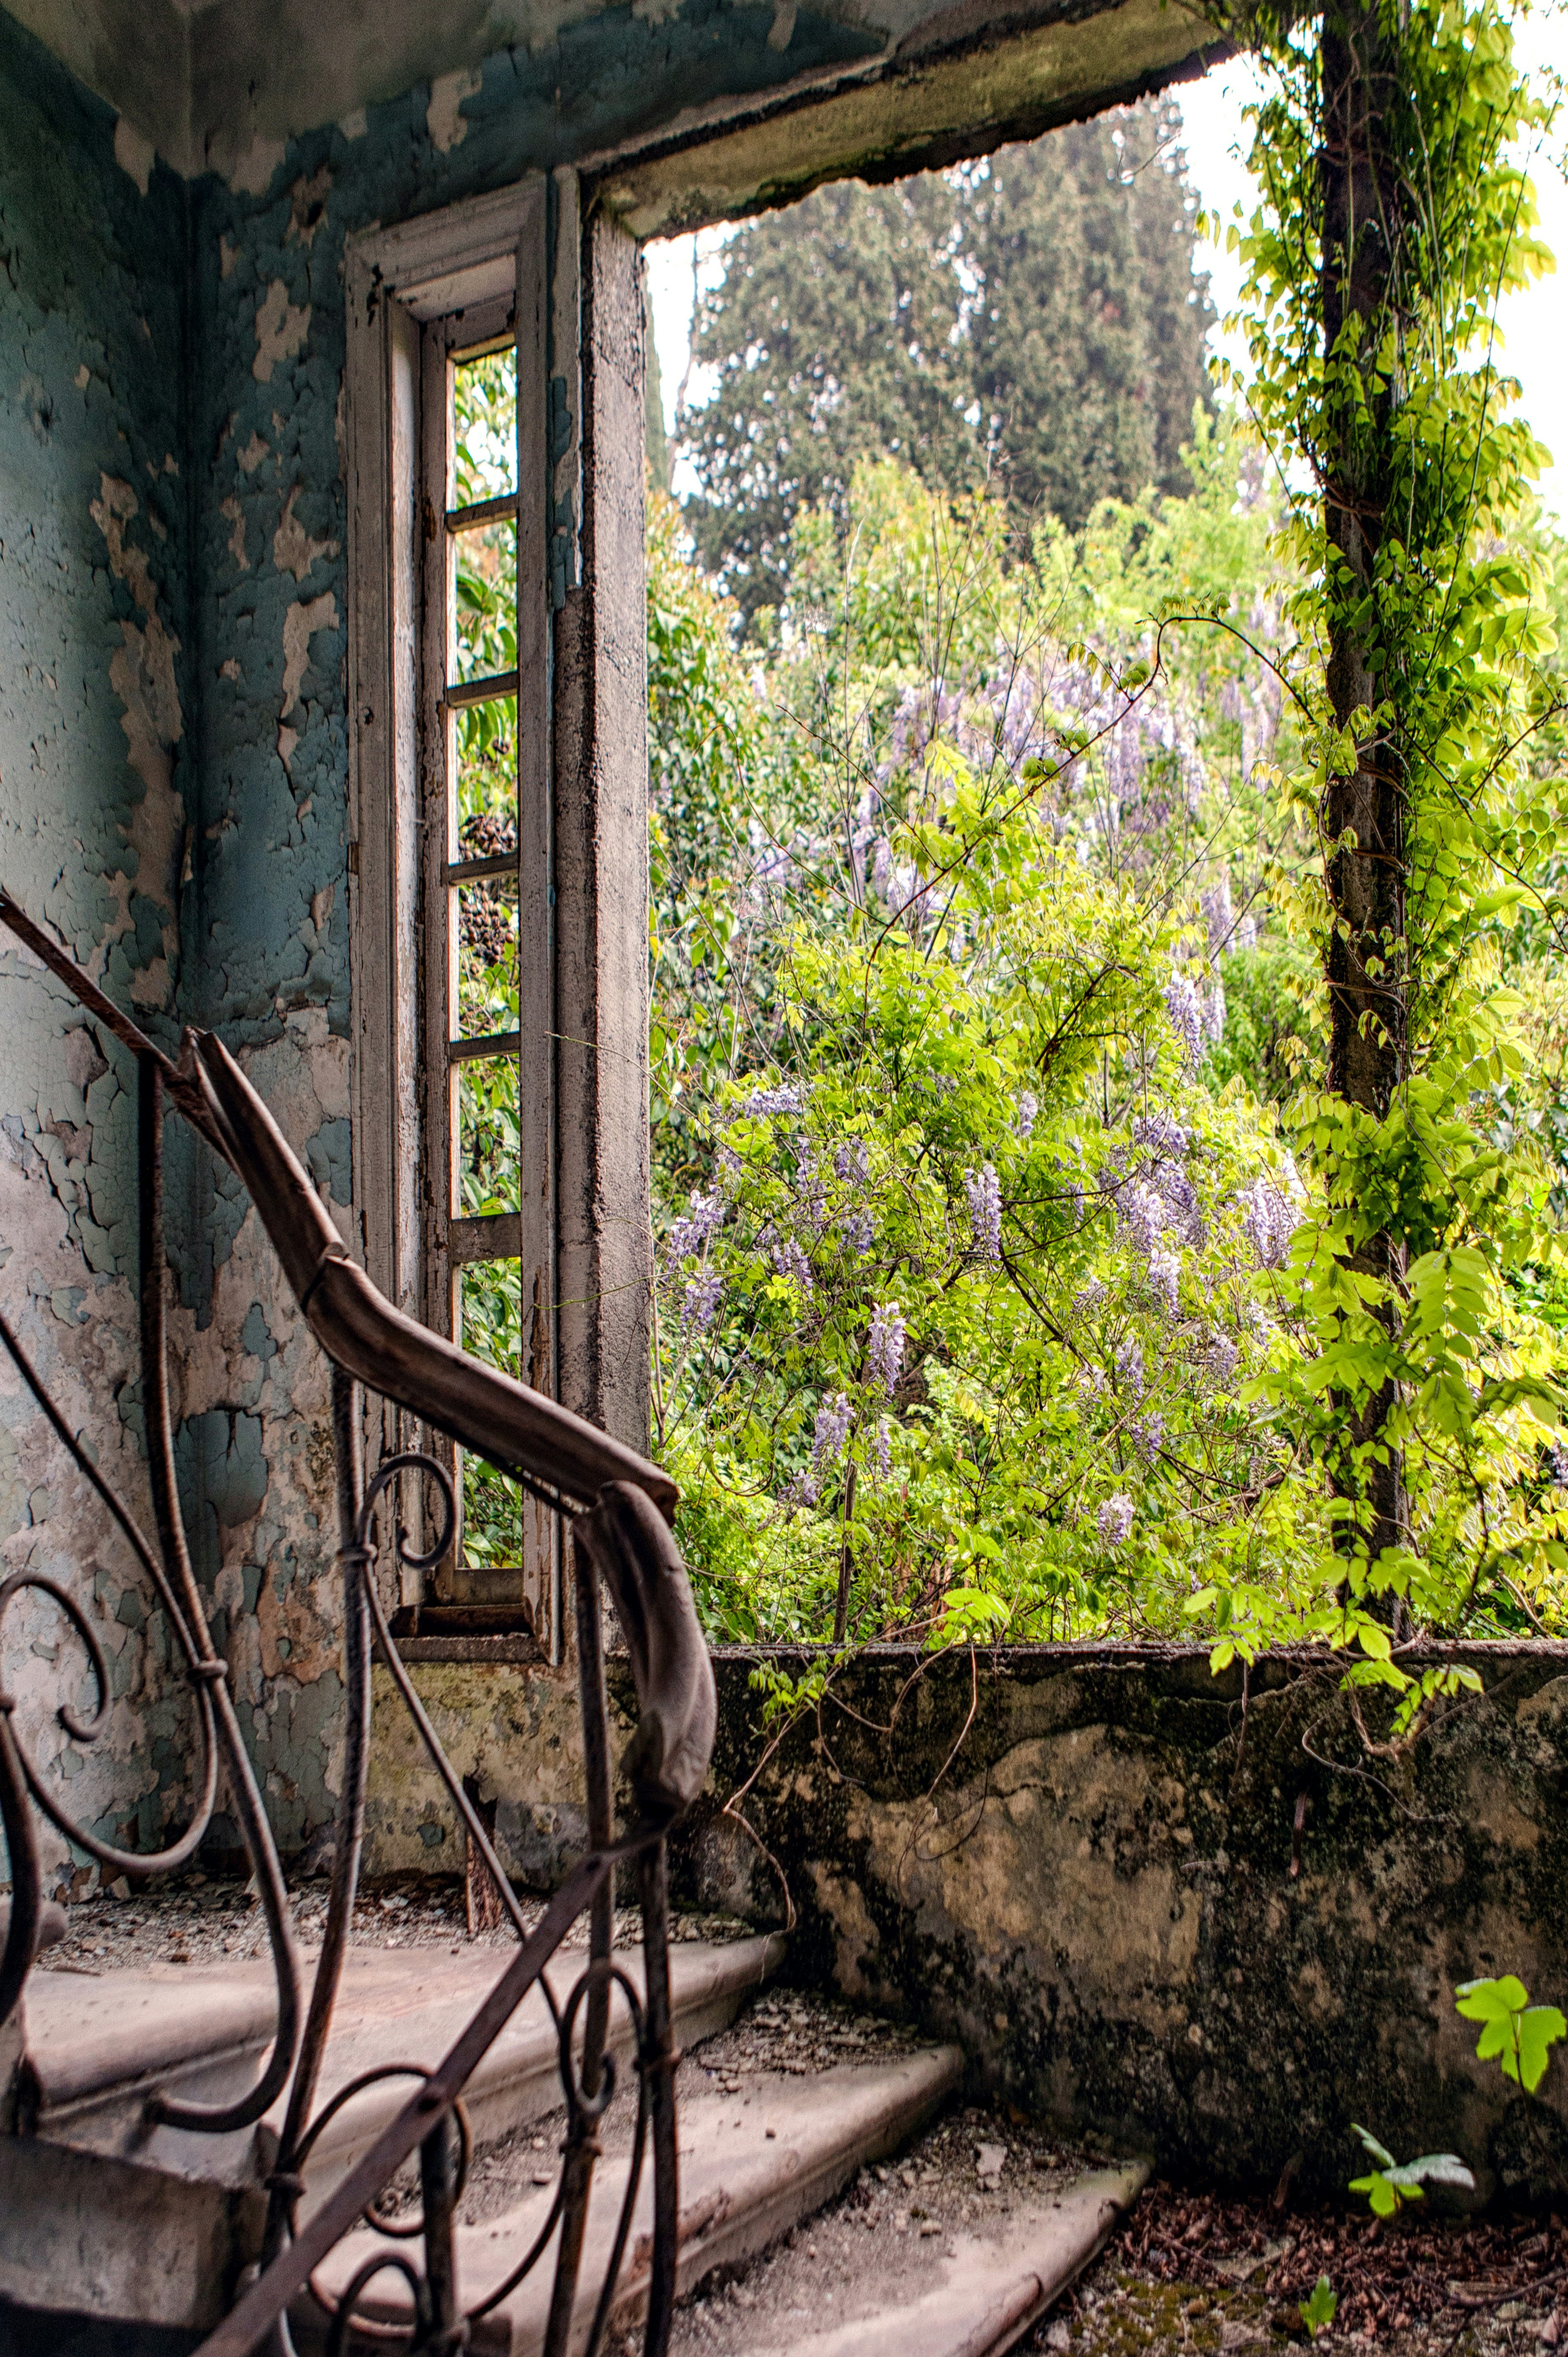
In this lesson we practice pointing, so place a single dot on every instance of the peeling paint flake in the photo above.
(443, 117)
(294, 551)
(251, 456)
(281, 330)
(235, 515)
(299, 625)
(135, 153)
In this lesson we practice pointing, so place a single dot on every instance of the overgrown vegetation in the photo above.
(1109, 1179)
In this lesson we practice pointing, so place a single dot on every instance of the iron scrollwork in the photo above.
(620, 1537)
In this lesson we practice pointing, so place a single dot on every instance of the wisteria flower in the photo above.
(984, 1192)
(1164, 1279)
(1115, 1521)
(689, 1234)
(830, 1433)
(885, 1348)
(768, 1103)
(790, 1261)
(700, 1301)
(1130, 1367)
(1186, 1017)
(882, 1450)
(852, 1164)
(1028, 1112)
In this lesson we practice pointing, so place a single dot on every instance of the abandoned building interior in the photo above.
(242, 255)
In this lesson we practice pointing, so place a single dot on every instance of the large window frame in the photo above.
(421, 295)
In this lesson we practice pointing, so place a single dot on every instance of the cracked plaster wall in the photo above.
(1077, 1862)
(95, 796)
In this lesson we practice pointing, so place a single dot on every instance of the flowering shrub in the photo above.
(961, 1303)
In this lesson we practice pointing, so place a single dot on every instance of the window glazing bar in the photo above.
(464, 692)
(483, 511)
(475, 871)
(494, 1043)
(494, 1235)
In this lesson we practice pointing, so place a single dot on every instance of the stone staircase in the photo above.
(116, 2237)
(105, 2216)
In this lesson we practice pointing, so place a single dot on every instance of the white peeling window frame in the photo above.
(419, 296)
(584, 1226)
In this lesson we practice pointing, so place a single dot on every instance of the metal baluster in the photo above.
(439, 2191)
(583, 2145)
(654, 1879)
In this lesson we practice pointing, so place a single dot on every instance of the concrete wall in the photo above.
(1079, 1863)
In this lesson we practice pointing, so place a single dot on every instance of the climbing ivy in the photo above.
(1390, 150)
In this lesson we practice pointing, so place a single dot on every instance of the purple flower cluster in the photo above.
(689, 1234)
(828, 1438)
(1268, 1222)
(1185, 1012)
(1147, 1435)
(881, 1450)
(1029, 1111)
(768, 1104)
(984, 1192)
(1128, 1363)
(1164, 1279)
(852, 1164)
(1115, 1521)
(884, 1348)
(700, 1299)
(791, 1261)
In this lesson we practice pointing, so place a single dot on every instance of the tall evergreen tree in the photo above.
(1037, 317)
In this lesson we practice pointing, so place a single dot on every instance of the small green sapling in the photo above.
(1516, 2032)
(1393, 2183)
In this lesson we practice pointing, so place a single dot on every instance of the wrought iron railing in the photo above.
(620, 1537)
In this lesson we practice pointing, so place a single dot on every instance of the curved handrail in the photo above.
(520, 1431)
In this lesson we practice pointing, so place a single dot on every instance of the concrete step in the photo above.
(991, 2287)
(151, 2224)
(752, 2167)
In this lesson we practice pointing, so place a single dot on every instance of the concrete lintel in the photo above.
(995, 79)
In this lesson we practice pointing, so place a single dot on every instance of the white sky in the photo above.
(1534, 325)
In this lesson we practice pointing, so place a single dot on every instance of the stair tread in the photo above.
(740, 2187)
(989, 2288)
(91, 2040)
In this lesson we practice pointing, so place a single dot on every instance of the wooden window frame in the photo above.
(583, 1231)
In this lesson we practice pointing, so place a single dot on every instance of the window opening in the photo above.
(475, 1142)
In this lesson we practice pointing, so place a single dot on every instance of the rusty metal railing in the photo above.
(620, 1507)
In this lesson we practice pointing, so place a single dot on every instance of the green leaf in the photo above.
(1380, 2153)
(1539, 2029)
(1491, 2000)
(1318, 2311)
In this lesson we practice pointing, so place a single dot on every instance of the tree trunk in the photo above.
(1364, 809)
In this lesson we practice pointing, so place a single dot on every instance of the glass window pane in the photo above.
(490, 1308)
(484, 596)
(486, 957)
(485, 1179)
(486, 752)
(484, 426)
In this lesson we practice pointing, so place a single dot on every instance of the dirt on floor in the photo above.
(1203, 2276)
(195, 1919)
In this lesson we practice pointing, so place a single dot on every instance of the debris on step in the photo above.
(922, 2256)
(762, 2146)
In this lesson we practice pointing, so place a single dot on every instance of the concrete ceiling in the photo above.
(221, 85)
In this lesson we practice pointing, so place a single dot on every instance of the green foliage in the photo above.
(1033, 319)
(1319, 2308)
(1427, 1385)
(1517, 2034)
(967, 1251)
(1392, 2184)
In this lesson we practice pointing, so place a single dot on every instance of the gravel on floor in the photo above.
(195, 1919)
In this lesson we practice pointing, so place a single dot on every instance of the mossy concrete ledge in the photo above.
(1179, 1912)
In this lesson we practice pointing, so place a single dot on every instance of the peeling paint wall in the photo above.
(95, 800)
